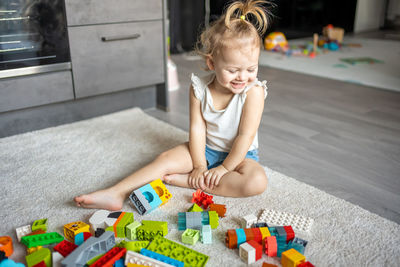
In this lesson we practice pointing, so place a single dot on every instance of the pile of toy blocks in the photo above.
(276, 241)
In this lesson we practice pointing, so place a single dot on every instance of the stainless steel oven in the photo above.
(33, 37)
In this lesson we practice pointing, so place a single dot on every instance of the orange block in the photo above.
(231, 239)
(6, 245)
(219, 208)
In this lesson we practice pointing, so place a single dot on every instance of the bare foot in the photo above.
(177, 180)
(103, 199)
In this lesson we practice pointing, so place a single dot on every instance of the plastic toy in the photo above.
(333, 33)
(161, 190)
(271, 246)
(235, 237)
(10, 263)
(276, 41)
(177, 251)
(250, 251)
(97, 220)
(190, 236)
(219, 208)
(123, 220)
(64, 248)
(194, 220)
(43, 254)
(81, 237)
(134, 245)
(56, 259)
(265, 264)
(110, 257)
(195, 208)
(305, 264)
(160, 257)
(131, 230)
(202, 199)
(299, 223)
(149, 229)
(134, 259)
(33, 249)
(291, 258)
(6, 245)
(23, 231)
(248, 220)
(39, 224)
(206, 234)
(89, 249)
(74, 228)
(42, 239)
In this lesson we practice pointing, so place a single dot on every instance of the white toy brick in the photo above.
(274, 218)
(137, 258)
(97, 220)
(23, 231)
(206, 234)
(247, 253)
(57, 259)
(248, 220)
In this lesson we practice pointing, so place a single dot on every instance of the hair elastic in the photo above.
(242, 17)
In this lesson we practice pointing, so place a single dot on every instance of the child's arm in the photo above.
(249, 123)
(197, 143)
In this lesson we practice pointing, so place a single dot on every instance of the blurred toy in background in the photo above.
(332, 34)
(276, 41)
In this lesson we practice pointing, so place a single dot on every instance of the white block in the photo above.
(98, 219)
(23, 231)
(247, 253)
(137, 258)
(57, 259)
(277, 218)
(248, 220)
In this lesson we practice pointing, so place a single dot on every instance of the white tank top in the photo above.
(222, 125)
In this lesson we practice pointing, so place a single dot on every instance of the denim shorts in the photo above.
(215, 158)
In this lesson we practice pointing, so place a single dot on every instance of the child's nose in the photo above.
(241, 75)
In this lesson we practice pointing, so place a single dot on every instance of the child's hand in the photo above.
(196, 178)
(213, 176)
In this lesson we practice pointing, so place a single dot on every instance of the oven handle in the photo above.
(119, 38)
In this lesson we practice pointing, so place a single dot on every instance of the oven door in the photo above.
(33, 37)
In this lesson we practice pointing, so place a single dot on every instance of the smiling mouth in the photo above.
(238, 85)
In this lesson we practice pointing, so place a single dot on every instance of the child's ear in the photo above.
(210, 63)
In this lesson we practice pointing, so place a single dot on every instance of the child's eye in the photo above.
(232, 71)
(251, 70)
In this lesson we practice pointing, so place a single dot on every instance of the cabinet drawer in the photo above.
(106, 66)
(35, 90)
(85, 12)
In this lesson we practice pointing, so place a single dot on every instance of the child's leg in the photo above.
(248, 179)
(175, 160)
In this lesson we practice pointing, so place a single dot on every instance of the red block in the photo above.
(268, 265)
(65, 247)
(202, 199)
(249, 234)
(271, 246)
(289, 233)
(257, 235)
(305, 264)
(110, 257)
(40, 264)
(258, 248)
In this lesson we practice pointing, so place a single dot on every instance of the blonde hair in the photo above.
(241, 20)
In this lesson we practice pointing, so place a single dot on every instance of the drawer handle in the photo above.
(118, 38)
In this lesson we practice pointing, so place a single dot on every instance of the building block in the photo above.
(2, 255)
(259, 225)
(298, 244)
(89, 249)
(161, 191)
(149, 229)
(305, 264)
(258, 248)
(39, 224)
(195, 220)
(10, 263)
(110, 257)
(247, 253)
(264, 232)
(249, 234)
(140, 202)
(43, 254)
(219, 208)
(257, 236)
(291, 258)
(136, 259)
(119, 263)
(23, 231)
(97, 220)
(206, 234)
(99, 232)
(241, 236)
(202, 199)
(130, 230)
(271, 246)
(74, 228)
(41, 239)
(33, 249)
(190, 236)
(36, 232)
(134, 245)
(81, 237)
(248, 220)
(265, 264)
(289, 233)
(152, 197)
(160, 257)
(178, 252)
(6, 245)
(195, 208)
(231, 239)
(40, 264)
(56, 259)
(298, 223)
(127, 218)
(139, 265)
(280, 234)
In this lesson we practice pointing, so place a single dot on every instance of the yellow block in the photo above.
(74, 228)
(291, 258)
(161, 190)
(134, 265)
(264, 232)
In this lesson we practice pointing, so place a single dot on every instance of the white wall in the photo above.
(370, 15)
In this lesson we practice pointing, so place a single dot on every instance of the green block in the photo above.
(149, 229)
(190, 236)
(195, 208)
(213, 219)
(135, 246)
(43, 254)
(125, 220)
(94, 259)
(157, 224)
(41, 239)
(131, 230)
(178, 252)
(39, 224)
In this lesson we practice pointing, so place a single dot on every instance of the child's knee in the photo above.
(256, 184)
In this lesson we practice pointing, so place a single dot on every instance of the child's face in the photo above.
(235, 67)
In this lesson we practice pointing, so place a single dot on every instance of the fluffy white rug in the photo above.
(42, 171)
(381, 75)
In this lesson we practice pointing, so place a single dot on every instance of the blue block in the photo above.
(152, 197)
(79, 239)
(241, 236)
(119, 263)
(181, 220)
(161, 257)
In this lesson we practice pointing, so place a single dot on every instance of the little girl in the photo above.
(226, 106)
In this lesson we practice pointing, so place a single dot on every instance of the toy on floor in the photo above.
(276, 41)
